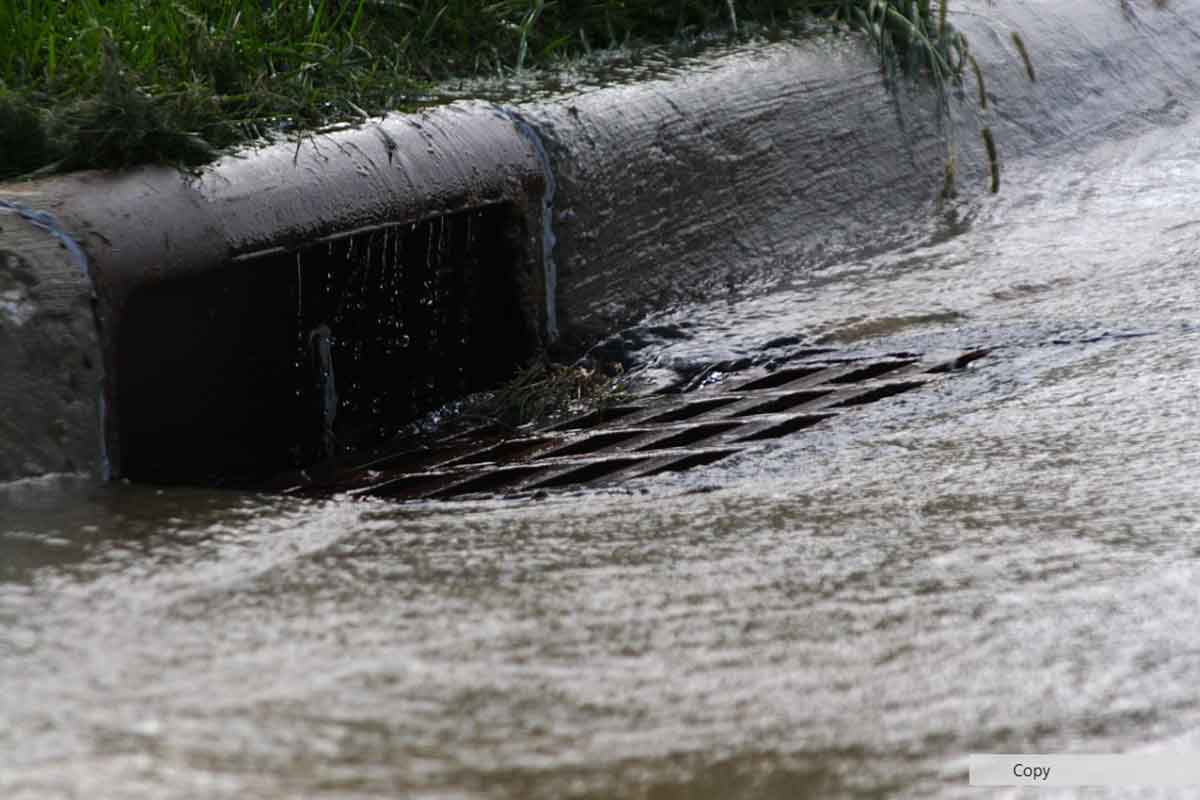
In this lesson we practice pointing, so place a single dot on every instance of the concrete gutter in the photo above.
(724, 178)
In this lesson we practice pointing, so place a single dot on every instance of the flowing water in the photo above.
(1008, 563)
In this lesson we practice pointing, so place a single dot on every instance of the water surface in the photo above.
(1006, 563)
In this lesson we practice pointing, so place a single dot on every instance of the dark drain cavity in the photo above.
(651, 436)
(288, 358)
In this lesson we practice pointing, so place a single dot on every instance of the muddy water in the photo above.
(1009, 563)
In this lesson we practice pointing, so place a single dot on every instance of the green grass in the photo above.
(109, 83)
(542, 391)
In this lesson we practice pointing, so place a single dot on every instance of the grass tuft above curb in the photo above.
(112, 83)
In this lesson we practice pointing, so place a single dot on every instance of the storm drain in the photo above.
(281, 357)
(646, 437)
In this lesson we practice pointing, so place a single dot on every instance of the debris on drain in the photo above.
(643, 437)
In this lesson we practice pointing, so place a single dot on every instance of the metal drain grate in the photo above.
(646, 437)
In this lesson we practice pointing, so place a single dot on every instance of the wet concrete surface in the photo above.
(691, 187)
(690, 183)
(50, 358)
(1006, 564)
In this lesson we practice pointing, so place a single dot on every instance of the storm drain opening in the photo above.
(666, 433)
(304, 353)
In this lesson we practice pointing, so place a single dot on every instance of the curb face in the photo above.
(605, 204)
(49, 356)
(700, 185)
(694, 186)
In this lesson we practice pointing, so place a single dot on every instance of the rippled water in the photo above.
(1009, 563)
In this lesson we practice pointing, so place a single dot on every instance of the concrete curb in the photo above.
(49, 353)
(721, 179)
(157, 237)
(728, 180)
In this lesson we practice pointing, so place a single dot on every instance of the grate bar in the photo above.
(649, 436)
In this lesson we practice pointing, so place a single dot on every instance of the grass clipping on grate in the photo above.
(543, 392)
